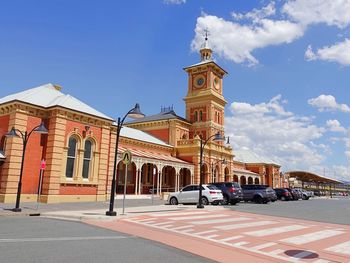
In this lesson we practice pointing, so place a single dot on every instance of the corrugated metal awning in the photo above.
(153, 155)
(2, 155)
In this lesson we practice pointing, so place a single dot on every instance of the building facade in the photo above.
(79, 148)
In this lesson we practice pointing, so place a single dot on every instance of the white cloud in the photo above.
(328, 103)
(339, 52)
(330, 12)
(268, 129)
(335, 126)
(236, 42)
(175, 2)
(256, 14)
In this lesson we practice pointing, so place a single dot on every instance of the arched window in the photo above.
(196, 116)
(71, 156)
(87, 159)
(200, 115)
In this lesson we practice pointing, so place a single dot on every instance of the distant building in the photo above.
(79, 148)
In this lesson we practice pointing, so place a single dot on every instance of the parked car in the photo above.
(231, 191)
(190, 195)
(258, 193)
(305, 195)
(283, 194)
(295, 193)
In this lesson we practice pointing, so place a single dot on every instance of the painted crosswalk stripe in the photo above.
(206, 232)
(211, 236)
(182, 227)
(316, 236)
(276, 252)
(187, 230)
(166, 226)
(320, 261)
(221, 220)
(197, 217)
(265, 245)
(303, 254)
(240, 243)
(343, 248)
(162, 223)
(179, 213)
(275, 230)
(230, 238)
(244, 225)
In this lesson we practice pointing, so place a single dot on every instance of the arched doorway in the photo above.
(148, 178)
(206, 175)
(256, 181)
(227, 175)
(243, 180)
(130, 178)
(235, 178)
(168, 179)
(250, 180)
(185, 177)
(216, 177)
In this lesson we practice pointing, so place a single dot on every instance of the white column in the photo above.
(139, 185)
(136, 181)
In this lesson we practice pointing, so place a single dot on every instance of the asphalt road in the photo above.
(36, 240)
(336, 210)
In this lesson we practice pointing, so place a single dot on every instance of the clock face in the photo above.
(199, 81)
(216, 83)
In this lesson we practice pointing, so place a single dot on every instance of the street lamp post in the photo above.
(133, 113)
(217, 137)
(41, 129)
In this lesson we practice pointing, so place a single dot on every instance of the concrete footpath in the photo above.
(85, 210)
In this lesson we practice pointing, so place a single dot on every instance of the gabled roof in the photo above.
(140, 135)
(246, 156)
(48, 96)
(2, 155)
(167, 115)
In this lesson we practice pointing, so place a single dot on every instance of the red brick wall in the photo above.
(162, 134)
(4, 126)
(33, 157)
(78, 190)
(71, 125)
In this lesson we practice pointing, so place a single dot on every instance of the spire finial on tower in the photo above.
(205, 50)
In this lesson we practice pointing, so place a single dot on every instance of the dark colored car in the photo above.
(258, 193)
(283, 194)
(295, 193)
(231, 191)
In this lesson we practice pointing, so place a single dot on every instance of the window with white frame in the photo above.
(71, 157)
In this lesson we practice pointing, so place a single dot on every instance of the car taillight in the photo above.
(212, 192)
(231, 189)
(286, 193)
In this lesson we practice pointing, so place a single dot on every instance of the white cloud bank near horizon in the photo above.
(237, 39)
(295, 142)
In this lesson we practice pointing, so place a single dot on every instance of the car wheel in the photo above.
(173, 201)
(233, 202)
(283, 198)
(225, 200)
(205, 201)
(258, 199)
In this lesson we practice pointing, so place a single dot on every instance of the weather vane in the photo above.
(206, 31)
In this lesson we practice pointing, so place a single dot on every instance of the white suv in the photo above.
(190, 195)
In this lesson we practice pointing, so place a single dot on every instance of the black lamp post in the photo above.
(133, 113)
(25, 137)
(217, 137)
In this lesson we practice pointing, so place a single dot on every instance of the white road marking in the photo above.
(303, 254)
(197, 217)
(187, 230)
(230, 238)
(275, 230)
(316, 236)
(276, 252)
(144, 220)
(212, 236)
(181, 227)
(320, 261)
(163, 223)
(238, 244)
(47, 239)
(265, 245)
(167, 226)
(206, 232)
(179, 213)
(222, 220)
(244, 225)
(343, 248)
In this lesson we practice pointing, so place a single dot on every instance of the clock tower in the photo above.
(204, 101)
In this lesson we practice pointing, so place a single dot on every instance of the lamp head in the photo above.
(224, 161)
(12, 133)
(218, 137)
(41, 129)
(136, 113)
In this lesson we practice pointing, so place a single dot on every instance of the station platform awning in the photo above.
(312, 177)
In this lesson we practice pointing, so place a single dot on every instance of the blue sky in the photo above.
(288, 64)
